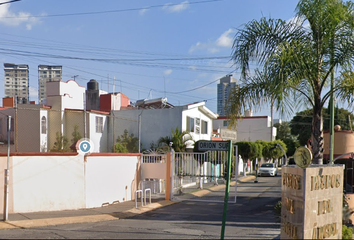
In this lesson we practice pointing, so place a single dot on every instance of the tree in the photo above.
(76, 134)
(301, 122)
(249, 150)
(178, 139)
(295, 61)
(126, 143)
(284, 133)
(269, 151)
(61, 144)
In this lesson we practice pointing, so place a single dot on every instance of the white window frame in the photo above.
(99, 124)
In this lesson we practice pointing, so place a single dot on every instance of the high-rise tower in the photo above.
(17, 82)
(224, 88)
(47, 73)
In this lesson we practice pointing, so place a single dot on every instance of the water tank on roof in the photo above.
(92, 85)
(248, 113)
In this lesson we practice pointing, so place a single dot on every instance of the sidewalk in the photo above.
(105, 213)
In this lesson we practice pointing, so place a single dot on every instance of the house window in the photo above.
(204, 127)
(190, 124)
(44, 125)
(226, 123)
(197, 121)
(197, 130)
(99, 124)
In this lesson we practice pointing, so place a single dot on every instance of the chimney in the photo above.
(8, 102)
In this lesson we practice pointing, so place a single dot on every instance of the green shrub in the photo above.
(347, 232)
(277, 208)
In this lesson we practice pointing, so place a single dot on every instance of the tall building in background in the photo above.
(46, 74)
(17, 82)
(224, 88)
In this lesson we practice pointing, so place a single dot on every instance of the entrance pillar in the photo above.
(312, 202)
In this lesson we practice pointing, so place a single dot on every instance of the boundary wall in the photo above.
(68, 181)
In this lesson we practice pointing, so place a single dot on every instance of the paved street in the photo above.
(251, 217)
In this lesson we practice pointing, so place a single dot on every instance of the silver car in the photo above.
(268, 169)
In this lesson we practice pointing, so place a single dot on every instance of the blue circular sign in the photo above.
(85, 146)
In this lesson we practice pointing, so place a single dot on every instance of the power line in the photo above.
(112, 11)
(11, 1)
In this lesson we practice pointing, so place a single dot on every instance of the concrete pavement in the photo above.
(105, 213)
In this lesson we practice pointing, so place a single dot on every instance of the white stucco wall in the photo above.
(72, 94)
(109, 179)
(99, 140)
(43, 136)
(155, 123)
(47, 183)
(120, 120)
(250, 128)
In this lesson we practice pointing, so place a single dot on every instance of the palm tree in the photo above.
(295, 60)
(178, 138)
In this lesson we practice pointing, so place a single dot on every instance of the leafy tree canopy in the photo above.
(294, 62)
(301, 122)
(284, 134)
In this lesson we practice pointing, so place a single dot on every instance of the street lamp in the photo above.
(139, 129)
(281, 148)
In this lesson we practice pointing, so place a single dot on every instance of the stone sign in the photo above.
(312, 200)
(227, 134)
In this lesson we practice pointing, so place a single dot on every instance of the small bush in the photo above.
(347, 232)
(277, 208)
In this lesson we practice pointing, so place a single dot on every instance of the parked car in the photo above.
(268, 169)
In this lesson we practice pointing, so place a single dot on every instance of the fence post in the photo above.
(168, 177)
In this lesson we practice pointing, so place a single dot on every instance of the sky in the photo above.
(143, 48)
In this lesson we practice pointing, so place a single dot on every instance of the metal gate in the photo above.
(153, 173)
(193, 171)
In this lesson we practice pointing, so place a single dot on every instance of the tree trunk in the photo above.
(317, 134)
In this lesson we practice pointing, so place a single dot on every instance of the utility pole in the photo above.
(331, 127)
(75, 76)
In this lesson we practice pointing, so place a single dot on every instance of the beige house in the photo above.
(29, 127)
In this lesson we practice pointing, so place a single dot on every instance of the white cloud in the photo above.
(169, 7)
(298, 21)
(143, 11)
(9, 18)
(192, 67)
(167, 72)
(225, 40)
(214, 46)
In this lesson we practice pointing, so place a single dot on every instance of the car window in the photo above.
(270, 165)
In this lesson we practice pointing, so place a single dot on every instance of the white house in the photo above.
(96, 129)
(68, 110)
(156, 123)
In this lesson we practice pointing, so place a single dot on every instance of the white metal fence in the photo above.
(189, 171)
(193, 171)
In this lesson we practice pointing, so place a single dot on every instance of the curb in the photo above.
(32, 223)
(246, 179)
(204, 192)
